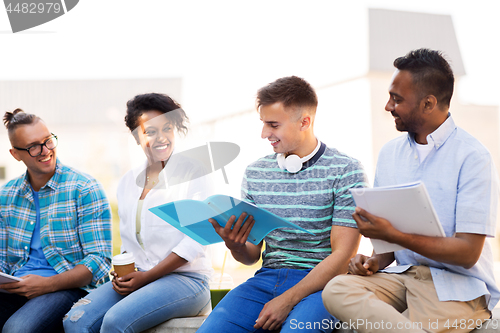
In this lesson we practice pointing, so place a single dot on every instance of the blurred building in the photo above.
(88, 118)
(351, 114)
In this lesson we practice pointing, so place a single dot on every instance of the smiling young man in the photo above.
(308, 184)
(55, 232)
(440, 283)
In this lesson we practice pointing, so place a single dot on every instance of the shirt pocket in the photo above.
(16, 251)
(63, 232)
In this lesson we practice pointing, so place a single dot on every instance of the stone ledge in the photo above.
(178, 325)
(191, 325)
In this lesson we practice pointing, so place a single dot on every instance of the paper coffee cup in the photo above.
(124, 264)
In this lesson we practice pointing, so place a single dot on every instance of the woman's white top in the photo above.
(182, 178)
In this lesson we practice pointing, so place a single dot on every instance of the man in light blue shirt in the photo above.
(439, 283)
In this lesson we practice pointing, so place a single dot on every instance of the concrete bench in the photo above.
(191, 324)
(182, 325)
(178, 325)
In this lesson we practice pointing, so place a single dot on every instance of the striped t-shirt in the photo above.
(314, 198)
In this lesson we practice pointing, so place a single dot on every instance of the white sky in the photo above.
(226, 50)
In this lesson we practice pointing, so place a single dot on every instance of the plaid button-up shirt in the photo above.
(75, 223)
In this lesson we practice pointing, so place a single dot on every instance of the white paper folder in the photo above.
(407, 206)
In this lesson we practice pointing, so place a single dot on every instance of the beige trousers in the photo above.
(405, 302)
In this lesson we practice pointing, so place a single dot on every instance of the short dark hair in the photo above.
(16, 118)
(431, 73)
(291, 91)
(155, 102)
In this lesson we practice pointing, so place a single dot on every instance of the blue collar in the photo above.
(315, 158)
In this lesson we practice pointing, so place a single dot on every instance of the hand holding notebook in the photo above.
(407, 207)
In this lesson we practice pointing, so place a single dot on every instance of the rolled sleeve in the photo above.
(94, 231)
(189, 249)
(477, 196)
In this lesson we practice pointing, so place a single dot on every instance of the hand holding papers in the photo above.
(191, 217)
(6, 278)
(407, 207)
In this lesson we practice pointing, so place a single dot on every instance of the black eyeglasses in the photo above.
(37, 149)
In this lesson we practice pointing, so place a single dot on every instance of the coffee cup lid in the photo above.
(123, 259)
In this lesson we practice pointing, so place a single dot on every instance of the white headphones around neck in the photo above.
(293, 163)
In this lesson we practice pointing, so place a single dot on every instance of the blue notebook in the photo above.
(191, 218)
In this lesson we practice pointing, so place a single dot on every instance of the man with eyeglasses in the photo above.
(55, 232)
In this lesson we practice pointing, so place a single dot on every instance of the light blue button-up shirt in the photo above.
(463, 186)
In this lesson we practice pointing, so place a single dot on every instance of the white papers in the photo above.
(396, 269)
(6, 278)
(407, 206)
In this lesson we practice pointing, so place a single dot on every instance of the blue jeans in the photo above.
(40, 314)
(104, 310)
(239, 309)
